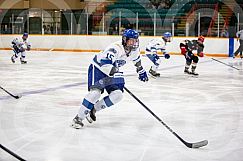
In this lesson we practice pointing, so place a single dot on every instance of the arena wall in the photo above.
(83, 43)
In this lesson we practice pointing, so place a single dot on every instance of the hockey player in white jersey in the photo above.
(19, 48)
(104, 74)
(152, 49)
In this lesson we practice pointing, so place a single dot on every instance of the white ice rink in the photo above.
(53, 84)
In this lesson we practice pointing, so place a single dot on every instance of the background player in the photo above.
(239, 36)
(19, 46)
(187, 48)
(152, 49)
(104, 74)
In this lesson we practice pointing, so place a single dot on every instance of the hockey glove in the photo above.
(28, 47)
(21, 49)
(167, 56)
(183, 49)
(142, 75)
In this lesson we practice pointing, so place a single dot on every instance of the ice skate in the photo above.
(91, 116)
(23, 61)
(153, 73)
(186, 71)
(12, 59)
(194, 73)
(77, 122)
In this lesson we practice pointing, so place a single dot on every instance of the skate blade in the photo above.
(191, 75)
(76, 126)
(194, 76)
(154, 77)
(89, 119)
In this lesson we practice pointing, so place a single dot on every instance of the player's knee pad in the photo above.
(116, 96)
(23, 54)
(195, 59)
(153, 57)
(188, 62)
(158, 62)
(91, 98)
(113, 98)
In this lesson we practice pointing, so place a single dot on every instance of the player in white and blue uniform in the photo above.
(19, 47)
(104, 74)
(152, 49)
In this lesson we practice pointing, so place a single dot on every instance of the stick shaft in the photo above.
(225, 64)
(9, 92)
(183, 141)
(11, 153)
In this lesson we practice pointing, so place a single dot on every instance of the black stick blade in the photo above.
(17, 97)
(197, 144)
(14, 96)
(189, 145)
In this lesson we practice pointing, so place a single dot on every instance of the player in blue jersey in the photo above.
(104, 74)
(19, 47)
(152, 49)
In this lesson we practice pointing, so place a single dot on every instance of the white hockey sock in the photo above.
(23, 56)
(113, 98)
(194, 66)
(154, 67)
(88, 102)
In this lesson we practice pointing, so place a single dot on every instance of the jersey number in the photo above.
(109, 56)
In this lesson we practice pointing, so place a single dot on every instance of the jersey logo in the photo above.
(109, 56)
(110, 53)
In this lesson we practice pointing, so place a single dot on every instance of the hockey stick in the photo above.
(16, 97)
(12, 153)
(225, 64)
(189, 145)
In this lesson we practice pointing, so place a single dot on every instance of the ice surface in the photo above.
(53, 84)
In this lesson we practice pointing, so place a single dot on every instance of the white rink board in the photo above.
(212, 45)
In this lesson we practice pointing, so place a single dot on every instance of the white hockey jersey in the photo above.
(156, 45)
(114, 55)
(21, 44)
